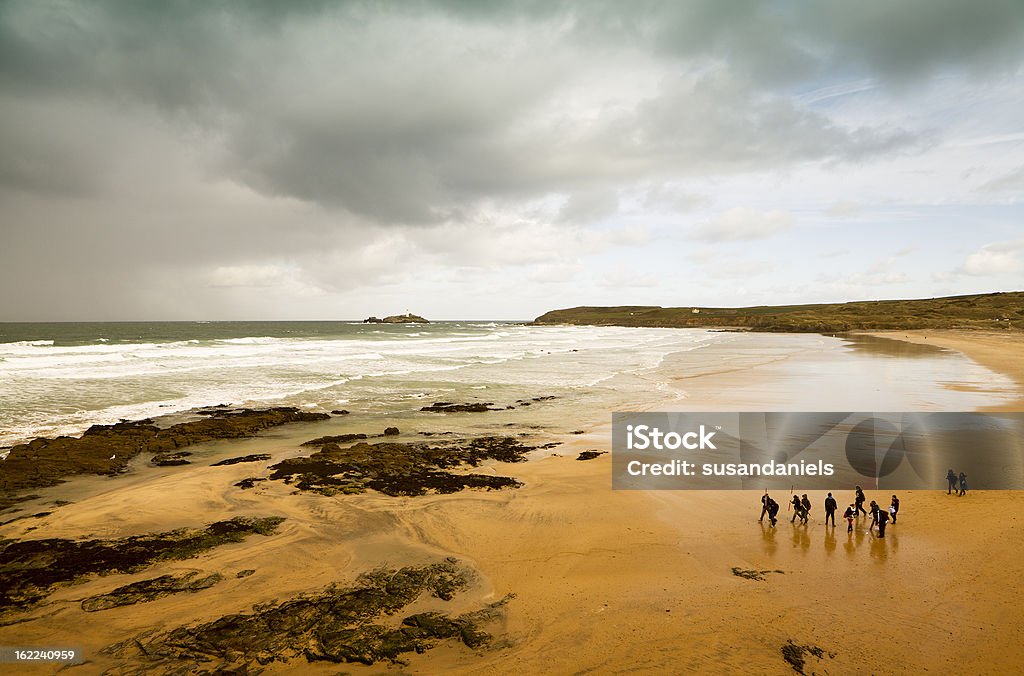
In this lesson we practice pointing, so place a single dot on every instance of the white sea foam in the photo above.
(47, 389)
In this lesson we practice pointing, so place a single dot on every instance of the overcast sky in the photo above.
(463, 159)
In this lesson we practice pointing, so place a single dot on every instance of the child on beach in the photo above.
(894, 508)
(848, 515)
(963, 484)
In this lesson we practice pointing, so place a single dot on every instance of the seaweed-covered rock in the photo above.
(150, 590)
(401, 469)
(335, 625)
(106, 449)
(254, 457)
(590, 455)
(170, 459)
(336, 439)
(30, 569)
(468, 407)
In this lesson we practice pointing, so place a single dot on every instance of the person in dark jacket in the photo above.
(963, 484)
(883, 518)
(773, 511)
(806, 504)
(798, 510)
(859, 500)
(951, 480)
(830, 510)
(764, 506)
(875, 511)
(894, 508)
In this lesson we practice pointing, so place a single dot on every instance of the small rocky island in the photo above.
(407, 318)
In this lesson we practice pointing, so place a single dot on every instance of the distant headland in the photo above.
(982, 311)
(407, 318)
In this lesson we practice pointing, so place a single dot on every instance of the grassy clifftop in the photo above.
(983, 311)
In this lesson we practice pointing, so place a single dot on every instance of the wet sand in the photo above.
(604, 581)
(1000, 351)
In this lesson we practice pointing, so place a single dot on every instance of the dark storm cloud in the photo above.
(250, 142)
(410, 113)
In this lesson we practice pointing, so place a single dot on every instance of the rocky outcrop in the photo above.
(590, 455)
(339, 624)
(31, 569)
(400, 469)
(254, 457)
(150, 590)
(452, 407)
(407, 318)
(106, 449)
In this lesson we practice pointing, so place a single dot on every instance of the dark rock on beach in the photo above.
(590, 455)
(758, 575)
(401, 469)
(106, 449)
(249, 482)
(468, 407)
(150, 590)
(339, 624)
(336, 439)
(796, 655)
(30, 569)
(340, 411)
(391, 431)
(170, 459)
(255, 457)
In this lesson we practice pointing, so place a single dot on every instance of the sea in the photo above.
(60, 378)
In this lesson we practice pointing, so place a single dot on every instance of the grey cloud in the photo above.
(246, 142)
(412, 115)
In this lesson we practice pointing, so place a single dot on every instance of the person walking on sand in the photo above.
(773, 511)
(859, 500)
(963, 484)
(806, 504)
(798, 509)
(848, 515)
(883, 518)
(764, 505)
(875, 511)
(830, 509)
(951, 480)
(894, 508)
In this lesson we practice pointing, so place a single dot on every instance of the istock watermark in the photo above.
(898, 451)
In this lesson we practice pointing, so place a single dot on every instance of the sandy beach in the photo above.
(602, 581)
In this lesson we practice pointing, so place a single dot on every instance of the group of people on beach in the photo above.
(957, 485)
(801, 507)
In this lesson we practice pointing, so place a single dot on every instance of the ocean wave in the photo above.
(27, 343)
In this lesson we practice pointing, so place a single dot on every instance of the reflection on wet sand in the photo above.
(890, 347)
(768, 535)
(830, 539)
(801, 538)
